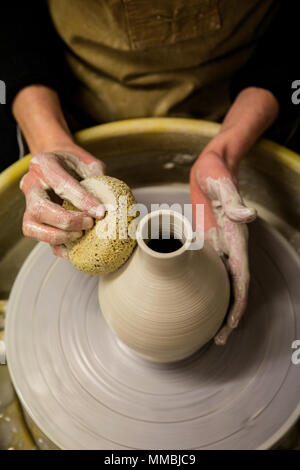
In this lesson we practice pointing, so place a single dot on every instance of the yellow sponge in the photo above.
(107, 245)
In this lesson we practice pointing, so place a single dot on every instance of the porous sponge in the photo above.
(107, 245)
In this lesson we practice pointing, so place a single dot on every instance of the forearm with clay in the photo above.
(38, 112)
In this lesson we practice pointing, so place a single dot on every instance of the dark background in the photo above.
(9, 149)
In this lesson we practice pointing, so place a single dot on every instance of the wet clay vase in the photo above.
(168, 300)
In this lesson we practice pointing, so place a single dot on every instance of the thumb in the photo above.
(225, 191)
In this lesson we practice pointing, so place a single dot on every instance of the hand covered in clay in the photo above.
(45, 220)
(225, 217)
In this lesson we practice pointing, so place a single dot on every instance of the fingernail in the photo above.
(248, 211)
(252, 213)
(64, 253)
(60, 251)
(75, 235)
(87, 223)
(99, 212)
(220, 341)
(241, 213)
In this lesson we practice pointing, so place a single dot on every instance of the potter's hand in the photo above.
(38, 112)
(225, 216)
(47, 221)
(213, 184)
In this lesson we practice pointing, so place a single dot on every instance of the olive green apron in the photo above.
(139, 58)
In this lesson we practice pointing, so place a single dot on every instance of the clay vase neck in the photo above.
(159, 232)
(165, 306)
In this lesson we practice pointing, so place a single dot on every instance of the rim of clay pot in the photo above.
(179, 225)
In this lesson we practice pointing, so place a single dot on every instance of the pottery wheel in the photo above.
(86, 391)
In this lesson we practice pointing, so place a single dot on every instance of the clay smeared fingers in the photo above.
(240, 292)
(235, 242)
(43, 210)
(241, 214)
(61, 251)
(47, 212)
(229, 234)
(47, 165)
(222, 335)
(233, 205)
(44, 233)
(32, 181)
(87, 166)
(217, 182)
(224, 191)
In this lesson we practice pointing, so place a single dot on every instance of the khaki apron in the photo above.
(139, 58)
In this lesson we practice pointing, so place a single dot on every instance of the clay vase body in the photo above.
(165, 305)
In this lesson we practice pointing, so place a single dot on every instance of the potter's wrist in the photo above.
(251, 114)
(230, 155)
(59, 143)
(38, 112)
